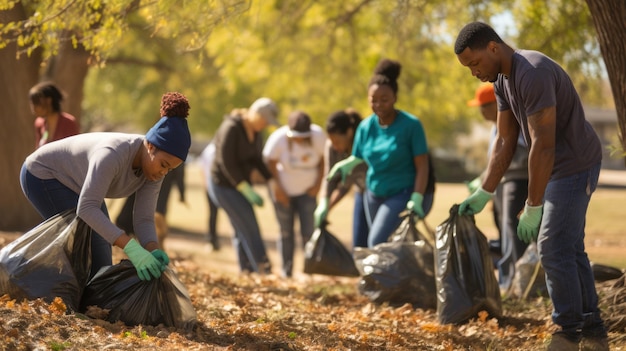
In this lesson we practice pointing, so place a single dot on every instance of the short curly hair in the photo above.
(174, 104)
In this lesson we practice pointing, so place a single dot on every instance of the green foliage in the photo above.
(311, 55)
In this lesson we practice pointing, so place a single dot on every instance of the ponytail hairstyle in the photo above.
(340, 121)
(174, 104)
(44, 90)
(171, 132)
(386, 73)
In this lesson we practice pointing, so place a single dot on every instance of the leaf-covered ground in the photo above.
(250, 312)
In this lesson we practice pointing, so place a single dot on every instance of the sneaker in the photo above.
(560, 342)
(595, 344)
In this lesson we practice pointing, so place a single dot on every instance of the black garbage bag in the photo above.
(400, 271)
(602, 273)
(50, 260)
(529, 280)
(466, 281)
(118, 289)
(325, 254)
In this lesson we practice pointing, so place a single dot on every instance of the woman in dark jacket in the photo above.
(238, 150)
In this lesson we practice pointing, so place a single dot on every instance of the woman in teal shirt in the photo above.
(393, 144)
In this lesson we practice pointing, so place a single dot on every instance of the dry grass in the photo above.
(606, 236)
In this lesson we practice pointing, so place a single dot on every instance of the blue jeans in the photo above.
(304, 206)
(513, 194)
(247, 240)
(360, 228)
(50, 197)
(569, 277)
(383, 213)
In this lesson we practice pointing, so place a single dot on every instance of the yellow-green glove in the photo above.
(247, 191)
(162, 257)
(321, 211)
(474, 184)
(529, 223)
(147, 266)
(345, 167)
(475, 202)
(415, 204)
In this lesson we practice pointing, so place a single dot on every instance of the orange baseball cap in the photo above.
(484, 95)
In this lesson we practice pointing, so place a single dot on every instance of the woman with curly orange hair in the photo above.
(82, 170)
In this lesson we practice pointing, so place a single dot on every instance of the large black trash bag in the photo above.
(466, 281)
(400, 271)
(50, 260)
(118, 288)
(529, 280)
(325, 254)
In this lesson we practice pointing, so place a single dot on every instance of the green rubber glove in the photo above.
(247, 191)
(475, 202)
(474, 184)
(147, 266)
(321, 212)
(344, 166)
(415, 204)
(162, 257)
(529, 222)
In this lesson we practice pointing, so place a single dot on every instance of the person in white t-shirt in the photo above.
(295, 156)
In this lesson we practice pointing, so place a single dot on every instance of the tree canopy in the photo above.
(311, 55)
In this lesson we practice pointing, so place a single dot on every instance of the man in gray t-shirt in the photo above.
(537, 98)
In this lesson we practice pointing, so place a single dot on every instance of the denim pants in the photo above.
(360, 228)
(303, 206)
(561, 247)
(247, 240)
(383, 213)
(514, 194)
(50, 197)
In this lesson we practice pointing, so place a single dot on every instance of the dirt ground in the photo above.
(252, 312)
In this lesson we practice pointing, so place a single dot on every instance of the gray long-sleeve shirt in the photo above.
(356, 177)
(98, 166)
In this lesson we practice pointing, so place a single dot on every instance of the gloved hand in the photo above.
(529, 222)
(474, 184)
(247, 191)
(321, 212)
(147, 266)
(162, 257)
(415, 204)
(475, 202)
(345, 167)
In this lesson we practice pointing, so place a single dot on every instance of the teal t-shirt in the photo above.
(389, 152)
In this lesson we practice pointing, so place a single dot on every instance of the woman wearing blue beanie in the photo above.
(82, 170)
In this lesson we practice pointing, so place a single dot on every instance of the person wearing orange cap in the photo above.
(510, 195)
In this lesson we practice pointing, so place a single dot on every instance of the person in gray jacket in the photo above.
(82, 170)
(340, 127)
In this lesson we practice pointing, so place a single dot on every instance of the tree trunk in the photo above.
(609, 18)
(68, 69)
(17, 136)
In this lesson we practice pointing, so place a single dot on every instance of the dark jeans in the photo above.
(561, 246)
(513, 194)
(50, 197)
(303, 206)
(247, 241)
(360, 228)
(383, 213)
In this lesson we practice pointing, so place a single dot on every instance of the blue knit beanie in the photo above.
(171, 134)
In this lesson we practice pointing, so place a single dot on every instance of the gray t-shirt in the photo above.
(356, 177)
(537, 82)
(98, 166)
